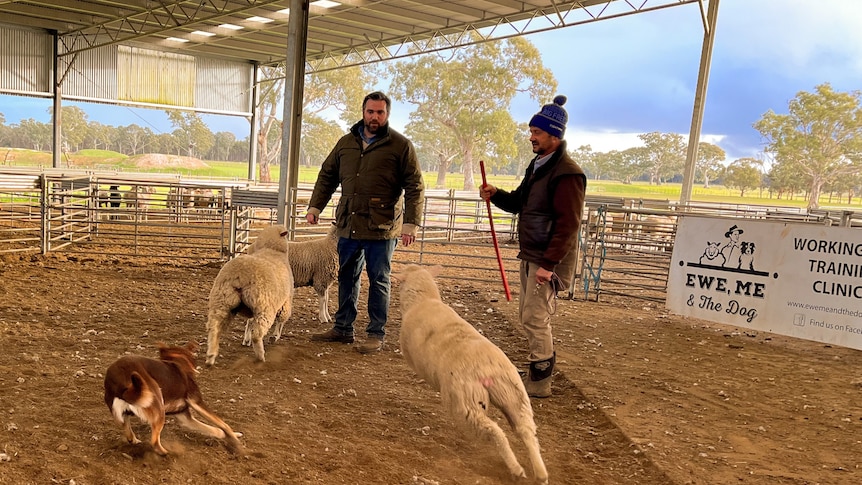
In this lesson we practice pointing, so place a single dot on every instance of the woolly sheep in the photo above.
(465, 367)
(315, 263)
(139, 197)
(257, 285)
(203, 198)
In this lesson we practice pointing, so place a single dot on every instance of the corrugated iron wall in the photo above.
(93, 74)
(126, 74)
(155, 77)
(25, 61)
(223, 85)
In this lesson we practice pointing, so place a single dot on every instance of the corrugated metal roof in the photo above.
(348, 32)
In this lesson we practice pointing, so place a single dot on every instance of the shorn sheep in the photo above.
(468, 369)
(315, 263)
(257, 285)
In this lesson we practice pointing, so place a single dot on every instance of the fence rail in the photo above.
(625, 245)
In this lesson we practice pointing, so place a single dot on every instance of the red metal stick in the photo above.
(494, 237)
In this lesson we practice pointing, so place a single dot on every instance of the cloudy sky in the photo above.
(637, 74)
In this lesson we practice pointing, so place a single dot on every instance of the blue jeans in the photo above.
(352, 257)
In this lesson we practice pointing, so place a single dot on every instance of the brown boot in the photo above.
(538, 383)
(333, 336)
(371, 344)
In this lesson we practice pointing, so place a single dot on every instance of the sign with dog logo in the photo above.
(799, 280)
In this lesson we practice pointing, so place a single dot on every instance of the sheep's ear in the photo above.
(397, 277)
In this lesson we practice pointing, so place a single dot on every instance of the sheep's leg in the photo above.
(216, 320)
(280, 320)
(510, 397)
(519, 414)
(246, 336)
(260, 324)
(323, 301)
(468, 405)
(527, 433)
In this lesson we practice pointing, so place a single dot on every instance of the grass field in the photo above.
(108, 160)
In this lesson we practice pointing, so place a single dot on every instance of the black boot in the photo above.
(538, 383)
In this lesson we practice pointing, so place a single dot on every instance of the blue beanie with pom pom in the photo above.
(552, 118)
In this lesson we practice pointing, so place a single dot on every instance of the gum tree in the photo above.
(820, 137)
(468, 91)
(709, 158)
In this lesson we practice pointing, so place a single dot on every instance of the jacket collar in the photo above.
(561, 150)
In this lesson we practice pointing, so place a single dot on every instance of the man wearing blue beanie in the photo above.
(550, 202)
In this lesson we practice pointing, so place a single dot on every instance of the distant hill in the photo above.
(102, 159)
(159, 160)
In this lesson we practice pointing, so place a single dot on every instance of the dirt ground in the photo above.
(640, 396)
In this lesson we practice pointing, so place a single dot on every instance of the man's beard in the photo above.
(373, 127)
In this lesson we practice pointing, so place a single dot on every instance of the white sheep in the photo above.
(315, 263)
(468, 369)
(139, 197)
(257, 285)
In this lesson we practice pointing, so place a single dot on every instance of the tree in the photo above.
(98, 136)
(709, 158)
(435, 144)
(192, 134)
(340, 89)
(524, 151)
(467, 92)
(743, 174)
(584, 157)
(624, 166)
(222, 143)
(319, 135)
(5, 132)
(820, 137)
(664, 155)
(73, 126)
(134, 137)
(37, 133)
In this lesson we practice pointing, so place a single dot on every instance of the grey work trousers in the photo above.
(534, 310)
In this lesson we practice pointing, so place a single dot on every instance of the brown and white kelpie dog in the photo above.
(151, 389)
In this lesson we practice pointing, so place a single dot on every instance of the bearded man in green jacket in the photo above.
(382, 199)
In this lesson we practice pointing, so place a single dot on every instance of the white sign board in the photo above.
(799, 280)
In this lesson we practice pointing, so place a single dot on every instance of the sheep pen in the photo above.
(640, 396)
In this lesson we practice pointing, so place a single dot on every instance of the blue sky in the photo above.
(637, 74)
